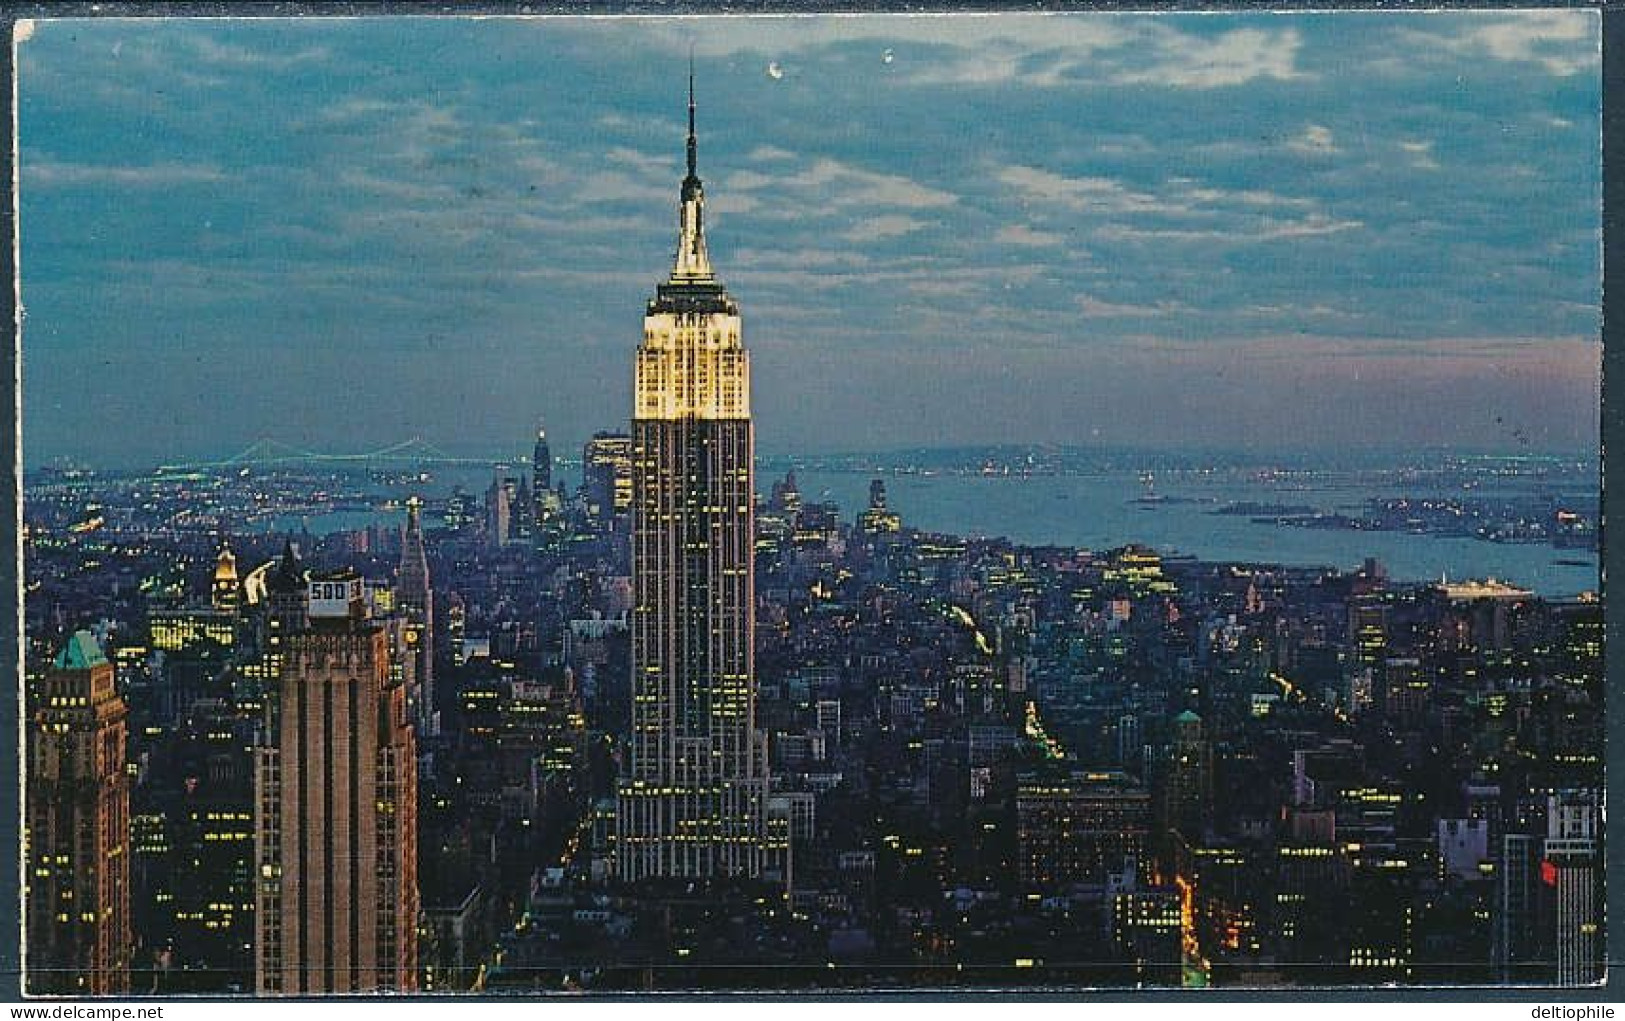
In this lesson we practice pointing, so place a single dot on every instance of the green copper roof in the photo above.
(1187, 717)
(81, 653)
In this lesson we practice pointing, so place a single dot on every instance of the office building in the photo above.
(498, 511)
(1080, 829)
(336, 809)
(77, 835)
(694, 804)
(1570, 869)
(607, 478)
(876, 519)
(1188, 779)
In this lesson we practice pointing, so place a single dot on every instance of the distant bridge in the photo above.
(416, 451)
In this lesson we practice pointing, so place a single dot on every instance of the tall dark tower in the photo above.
(1188, 783)
(416, 601)
(694, 802)
(541, 464)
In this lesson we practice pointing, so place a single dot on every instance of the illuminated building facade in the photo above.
(694, 804)
(77, 838)
(1148, 928)
(545, 502)
(1368, 629)
(198, 628)
(336, 810)
(607, 478)
(226, 592)
(192, 852)
(541, 464)
(182, 630)
(877, 519)
(1139, 571)
(1080, 829)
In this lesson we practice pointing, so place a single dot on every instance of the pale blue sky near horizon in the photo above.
(1254, 231)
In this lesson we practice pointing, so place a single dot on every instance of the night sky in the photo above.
(1248, 231)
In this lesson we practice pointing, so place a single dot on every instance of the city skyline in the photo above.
(1038, 717)
(1160, 231)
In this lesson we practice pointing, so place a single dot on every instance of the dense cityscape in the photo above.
(685, 727)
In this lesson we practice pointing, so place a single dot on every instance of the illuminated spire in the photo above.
(225, 568)
(413, 573)
(693, 263)
(693, 143)
(226, 588)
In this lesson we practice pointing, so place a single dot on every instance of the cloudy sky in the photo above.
(1240, 231)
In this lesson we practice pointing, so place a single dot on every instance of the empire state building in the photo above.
(693, 803)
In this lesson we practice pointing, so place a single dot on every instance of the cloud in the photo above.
(1178, 209)
(618, 186)
(1208, 178)
(879, 228)
(1151, 53)
(1229, 59)
(229, 55)
(1562, 43)
(1023, 236)
(48, 173)
(1421, 153)
(1314, 140)
(826, 185)
(1080, 194)
(1034, 50)
(649, 164)
(1194, 194)
(1314, 225)
(1094, 308)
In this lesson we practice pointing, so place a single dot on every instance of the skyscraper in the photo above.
(498, 510)
(877, 518)
(1188, 779)
(1570, 869)
(415, 599)
(545, 500)
(336, 810)
(1080, 828)
(541, 467)
(77, 840)
(607, 478)
(1515, 942)
(694, 804)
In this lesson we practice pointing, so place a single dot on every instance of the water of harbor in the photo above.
(1111, 509)
(1105, 511)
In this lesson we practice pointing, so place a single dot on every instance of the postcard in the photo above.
(518, 506)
